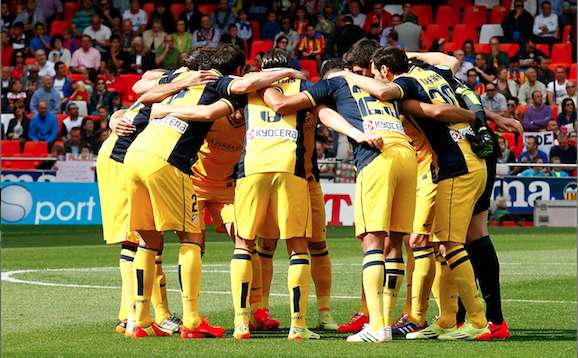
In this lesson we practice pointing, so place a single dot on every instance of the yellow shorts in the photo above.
(385, 192)
(269, 229)
(160, 196)
(219, 204)
(455, 201)
(425, 199)
(282, 196)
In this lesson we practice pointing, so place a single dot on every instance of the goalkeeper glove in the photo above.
(482, 143)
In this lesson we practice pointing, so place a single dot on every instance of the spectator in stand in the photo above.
(30, 15)
(546, 25)
(374, 33)
(44, 125)
(517, 24)
(282, 43)
(464, 66)
(73, 120)
(526, 90)
(324, 168)
(270, 27)
(487, 73)
(59, 53)
(86, 57)
(223, 17)
(18, 126)
(312, 46)
(409, 33)
(115, 103)
(139, 59)
(40, 39)
(515, 72)
(504, 85)
(469, 51)
(5, 79)
(292, 35)
(88, 132)
(191, 17)
(137, 16)
(73, 142)
(52, 9)
(183, 38)
(18, 40)
(347, 35)
(506, 156)
(532, 152)
(31, 80)
(567, 114)
(70, 41)
(207, 35)
(557, 171)
(407, 13)
(395, 20)
(167, 56)
(357, 16)
(570, 92)
(557, 88)
(564, 151)
(83, 17)
(163, 14)
(545, 74)
(535, 171)
(45, 67)
(100, 96)
(538, 114)
(377, 16)
(101, 136)
(99, 33)
(16, 94)
(232, 37)
(111, 16)
(127, 35)
(393, 40)
(244, 28)
(61, 83)
(301, 22)
(155, 36)
(326, 24)
(529, 55)
(494, 101)
(7, 17)
(46, 94)
(474, 83)
(552, 126)
(497, 58)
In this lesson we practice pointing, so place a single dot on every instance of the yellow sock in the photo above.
(241, 276)
(445, 293)
(190, 272)
(409, 268)
(394, 271)
(126, 310)
(321, 274)
(423, 275)
(373, 274)
(461, 270)
(363, 305)
(256, 283)
(144, 271)
(298, 284)
(159, 295)
(266, 258)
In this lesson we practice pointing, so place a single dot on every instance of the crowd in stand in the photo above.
(60, 59)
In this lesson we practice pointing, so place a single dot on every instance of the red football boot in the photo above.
(151, 331)
(204, 330)
(262, 321)
(355, 324)
(498, 331)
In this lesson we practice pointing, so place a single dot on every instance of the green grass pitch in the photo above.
(68, 302)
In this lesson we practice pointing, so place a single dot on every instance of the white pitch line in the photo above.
(8, 276)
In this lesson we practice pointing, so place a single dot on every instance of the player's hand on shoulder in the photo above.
(201, 77)
(509, 125)
(121, 126)
(159, 110)
(371, 139)
(343, 73)
(293, 73)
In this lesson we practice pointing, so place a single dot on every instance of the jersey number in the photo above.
(178, 95)
(445, 94)
(367, 107)
(266, 117)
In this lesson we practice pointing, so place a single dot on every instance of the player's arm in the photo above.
(438, 112)
(505, 123)
(283, 104)
(162, 91)
(148, 80)
(383, 91)
(436, 58)
(119, 125)
(255, 81)
(335, 121)
(198, 113)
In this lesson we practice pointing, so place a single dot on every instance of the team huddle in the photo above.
(242, 147)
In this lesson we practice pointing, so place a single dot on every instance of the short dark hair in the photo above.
(56, 37)
(361, 52)
(393, 34)
(544, 3)
(232, 26)
(38, 24)
(276, 57)
(19, 25)
(331, 65)
(393, 58)
(227, 59)
(197, 59)
(347, 20)
(470, 71)
(58, 64)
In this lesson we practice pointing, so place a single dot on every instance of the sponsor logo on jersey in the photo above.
(382, 125)
(272, 133)
(172, 122)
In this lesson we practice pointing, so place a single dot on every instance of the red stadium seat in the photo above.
(562, 53)
(424, 14)
(435, 31)
(566, 33)
(256, 27)
(554, 108)
(507, 4)
(460, 4)
(35, 149)
(554, 66)
(124, 83)
(260, 46)
(75, 77)
(60, 117)
(510, 138)
(482, 48)
(544, 48)
(30, 60)
(572, 75)
(149, 8)
(450, 47)
(58, 27)
(498, 14)
(206, 9)
(311, 67)
(7, 56)
(464, 32)
(177, 9)
(70, 8)
(475, 15)
(446, 15)
(10, 148)
(522, 108)
(510, 49)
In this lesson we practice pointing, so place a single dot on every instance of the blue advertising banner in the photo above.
(50, 203)
(28, 175)
(522, 192)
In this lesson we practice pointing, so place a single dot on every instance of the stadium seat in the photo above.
(554, 66)
(30, 60)
(463, 32)
(554, 108)
(522, 108)
(572, 74)
(507, 3)
(446, 15)
(256, 27)
(482, 48)
(311, 67)
(75, 77)
(460, 4)
(58, 27)
(487, 3)
(424, 14)
(10, 148)
(124, 83)
(177, 9)
(566, 33)
(149, 8)
(7, 56)
(260, 46)
(475, 15)
(562, 53)
(394, 9)
(510, 49)
(206, 9)
(510, 138)
(70, 8)
(498, 14)
(35, 149)
(544, 48)
(488, 31)
(450, 47)
(60, 117)
(434, 31)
